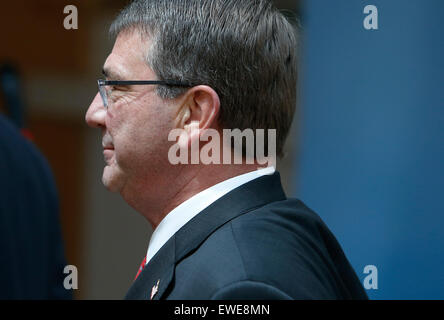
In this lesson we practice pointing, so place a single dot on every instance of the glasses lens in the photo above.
(102, 91)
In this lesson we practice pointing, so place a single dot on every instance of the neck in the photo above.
(188, 180)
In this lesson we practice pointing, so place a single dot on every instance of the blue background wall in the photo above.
(371, 148)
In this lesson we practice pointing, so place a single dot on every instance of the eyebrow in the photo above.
(111, 74)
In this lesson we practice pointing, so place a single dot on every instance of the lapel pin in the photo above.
(155, 289)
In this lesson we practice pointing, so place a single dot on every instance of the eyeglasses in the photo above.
(103, 92)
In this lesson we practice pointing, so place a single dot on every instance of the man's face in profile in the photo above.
(136, 124)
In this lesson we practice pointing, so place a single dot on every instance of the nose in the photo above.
(95, 116)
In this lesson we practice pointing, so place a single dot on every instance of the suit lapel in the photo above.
(241, 200)
(156, 276)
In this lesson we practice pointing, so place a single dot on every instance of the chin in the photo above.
(111, 179)
(109, 185)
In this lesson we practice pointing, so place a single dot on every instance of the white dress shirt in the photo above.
(183, 213)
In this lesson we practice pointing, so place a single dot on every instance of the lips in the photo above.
(108, 148)
(107, 142)
(108, 155)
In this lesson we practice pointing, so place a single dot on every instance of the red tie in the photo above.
(142, 266)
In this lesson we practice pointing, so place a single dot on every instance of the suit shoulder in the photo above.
(287, 245)
(279, 247)
(290, 220)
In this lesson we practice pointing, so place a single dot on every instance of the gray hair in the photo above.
(244, 49)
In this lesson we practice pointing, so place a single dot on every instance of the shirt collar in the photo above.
(183, 213)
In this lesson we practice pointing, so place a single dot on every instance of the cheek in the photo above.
(140, 132)
(135, 143)
(120, 132)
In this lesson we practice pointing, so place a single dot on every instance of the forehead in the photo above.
(127, 61)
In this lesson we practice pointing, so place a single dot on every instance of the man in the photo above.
(222, 229)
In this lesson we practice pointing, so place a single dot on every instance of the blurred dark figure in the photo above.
(31, 248)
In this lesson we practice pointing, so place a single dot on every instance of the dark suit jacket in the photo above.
(31, 249)
(253, 243)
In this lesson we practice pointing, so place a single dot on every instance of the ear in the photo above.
(199, 111)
